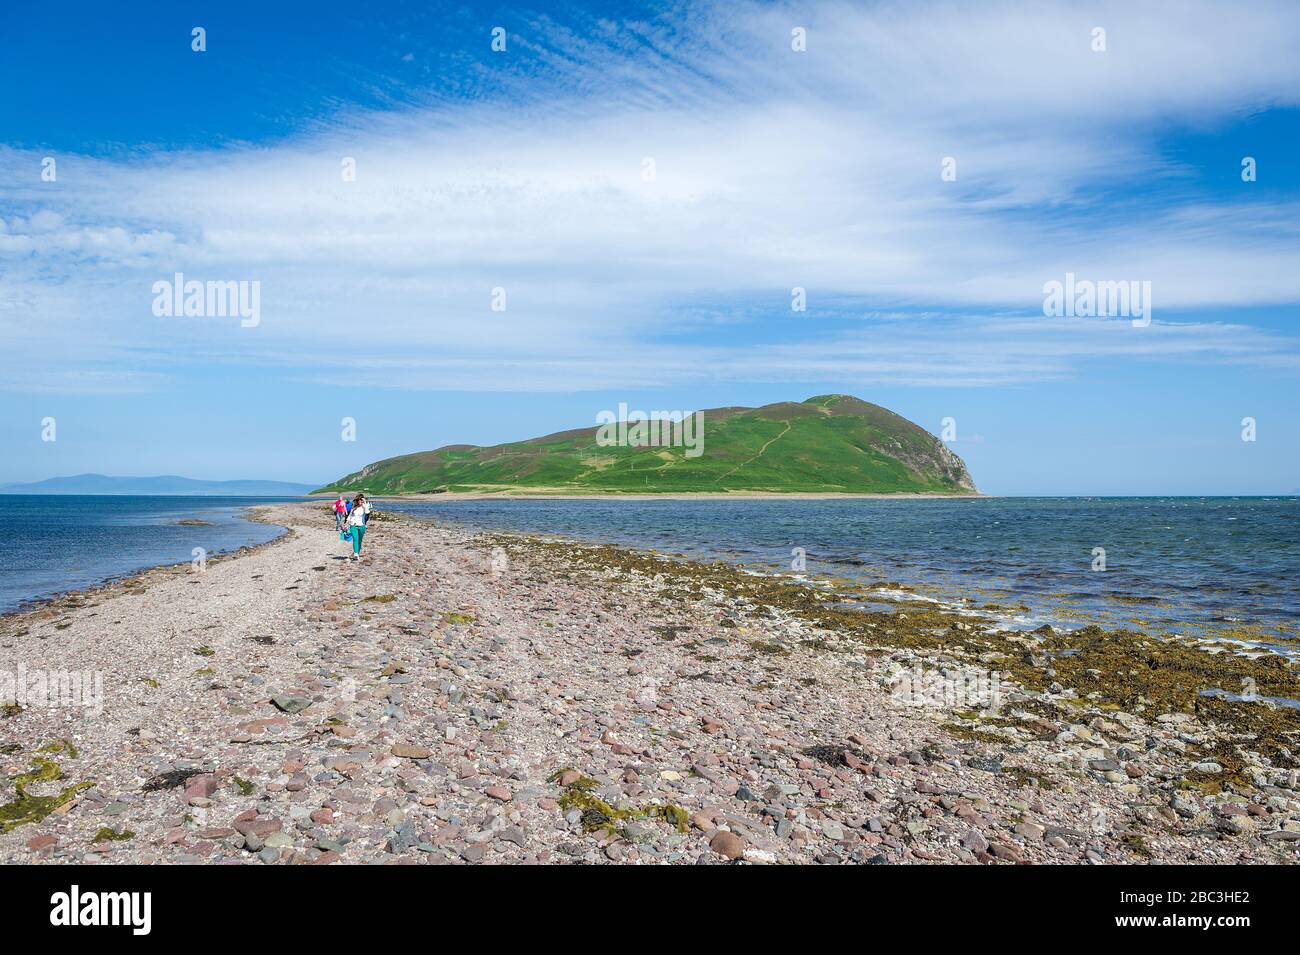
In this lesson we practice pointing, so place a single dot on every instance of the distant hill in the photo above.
(165, 484)
(831, 443)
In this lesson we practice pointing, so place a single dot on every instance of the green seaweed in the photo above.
(598, 815)
(26, 808)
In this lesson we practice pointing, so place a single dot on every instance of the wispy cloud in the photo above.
(772, 169)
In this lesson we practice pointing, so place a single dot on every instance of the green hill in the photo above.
(831, 443)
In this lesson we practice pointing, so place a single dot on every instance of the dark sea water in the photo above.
(1211, 567)
(59, 542)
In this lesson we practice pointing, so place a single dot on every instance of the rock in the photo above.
(404, 837)
(1237, 825)
(291, 704)
(727, 844)
(1005, 852)
(515, 835)
(1031, 831)
(975, 841)
(499, 793)
(832, 830)
(200, 787)
(260, 826)
(42, 842)
(410, 751)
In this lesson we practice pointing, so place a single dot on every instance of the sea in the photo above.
(1206, 567)
(55, 543)
(1217, 568)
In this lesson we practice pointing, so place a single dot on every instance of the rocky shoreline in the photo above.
(473, 697)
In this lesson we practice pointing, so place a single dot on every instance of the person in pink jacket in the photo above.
(340, 512)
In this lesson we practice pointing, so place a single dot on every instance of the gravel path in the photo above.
(462, 699)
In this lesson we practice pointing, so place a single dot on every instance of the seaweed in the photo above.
(26, 808)
(169, 780)
(598, 815)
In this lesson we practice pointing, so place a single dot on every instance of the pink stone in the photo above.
(261, 827)
(200, 787)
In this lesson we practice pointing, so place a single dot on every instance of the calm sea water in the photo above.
(1212, 567)
(1203, 566)
(60, 542)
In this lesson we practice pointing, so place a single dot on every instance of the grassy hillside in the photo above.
(831, 443)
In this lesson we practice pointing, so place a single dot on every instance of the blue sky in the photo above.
(525, 170)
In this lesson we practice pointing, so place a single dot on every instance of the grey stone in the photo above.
(291, 704)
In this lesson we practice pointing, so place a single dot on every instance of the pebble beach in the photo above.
(467, 697)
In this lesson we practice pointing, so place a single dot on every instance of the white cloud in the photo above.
(773, 169)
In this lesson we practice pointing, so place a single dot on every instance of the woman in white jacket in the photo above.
(357, 523)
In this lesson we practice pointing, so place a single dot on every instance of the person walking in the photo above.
(340, 512)
(357, 523)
